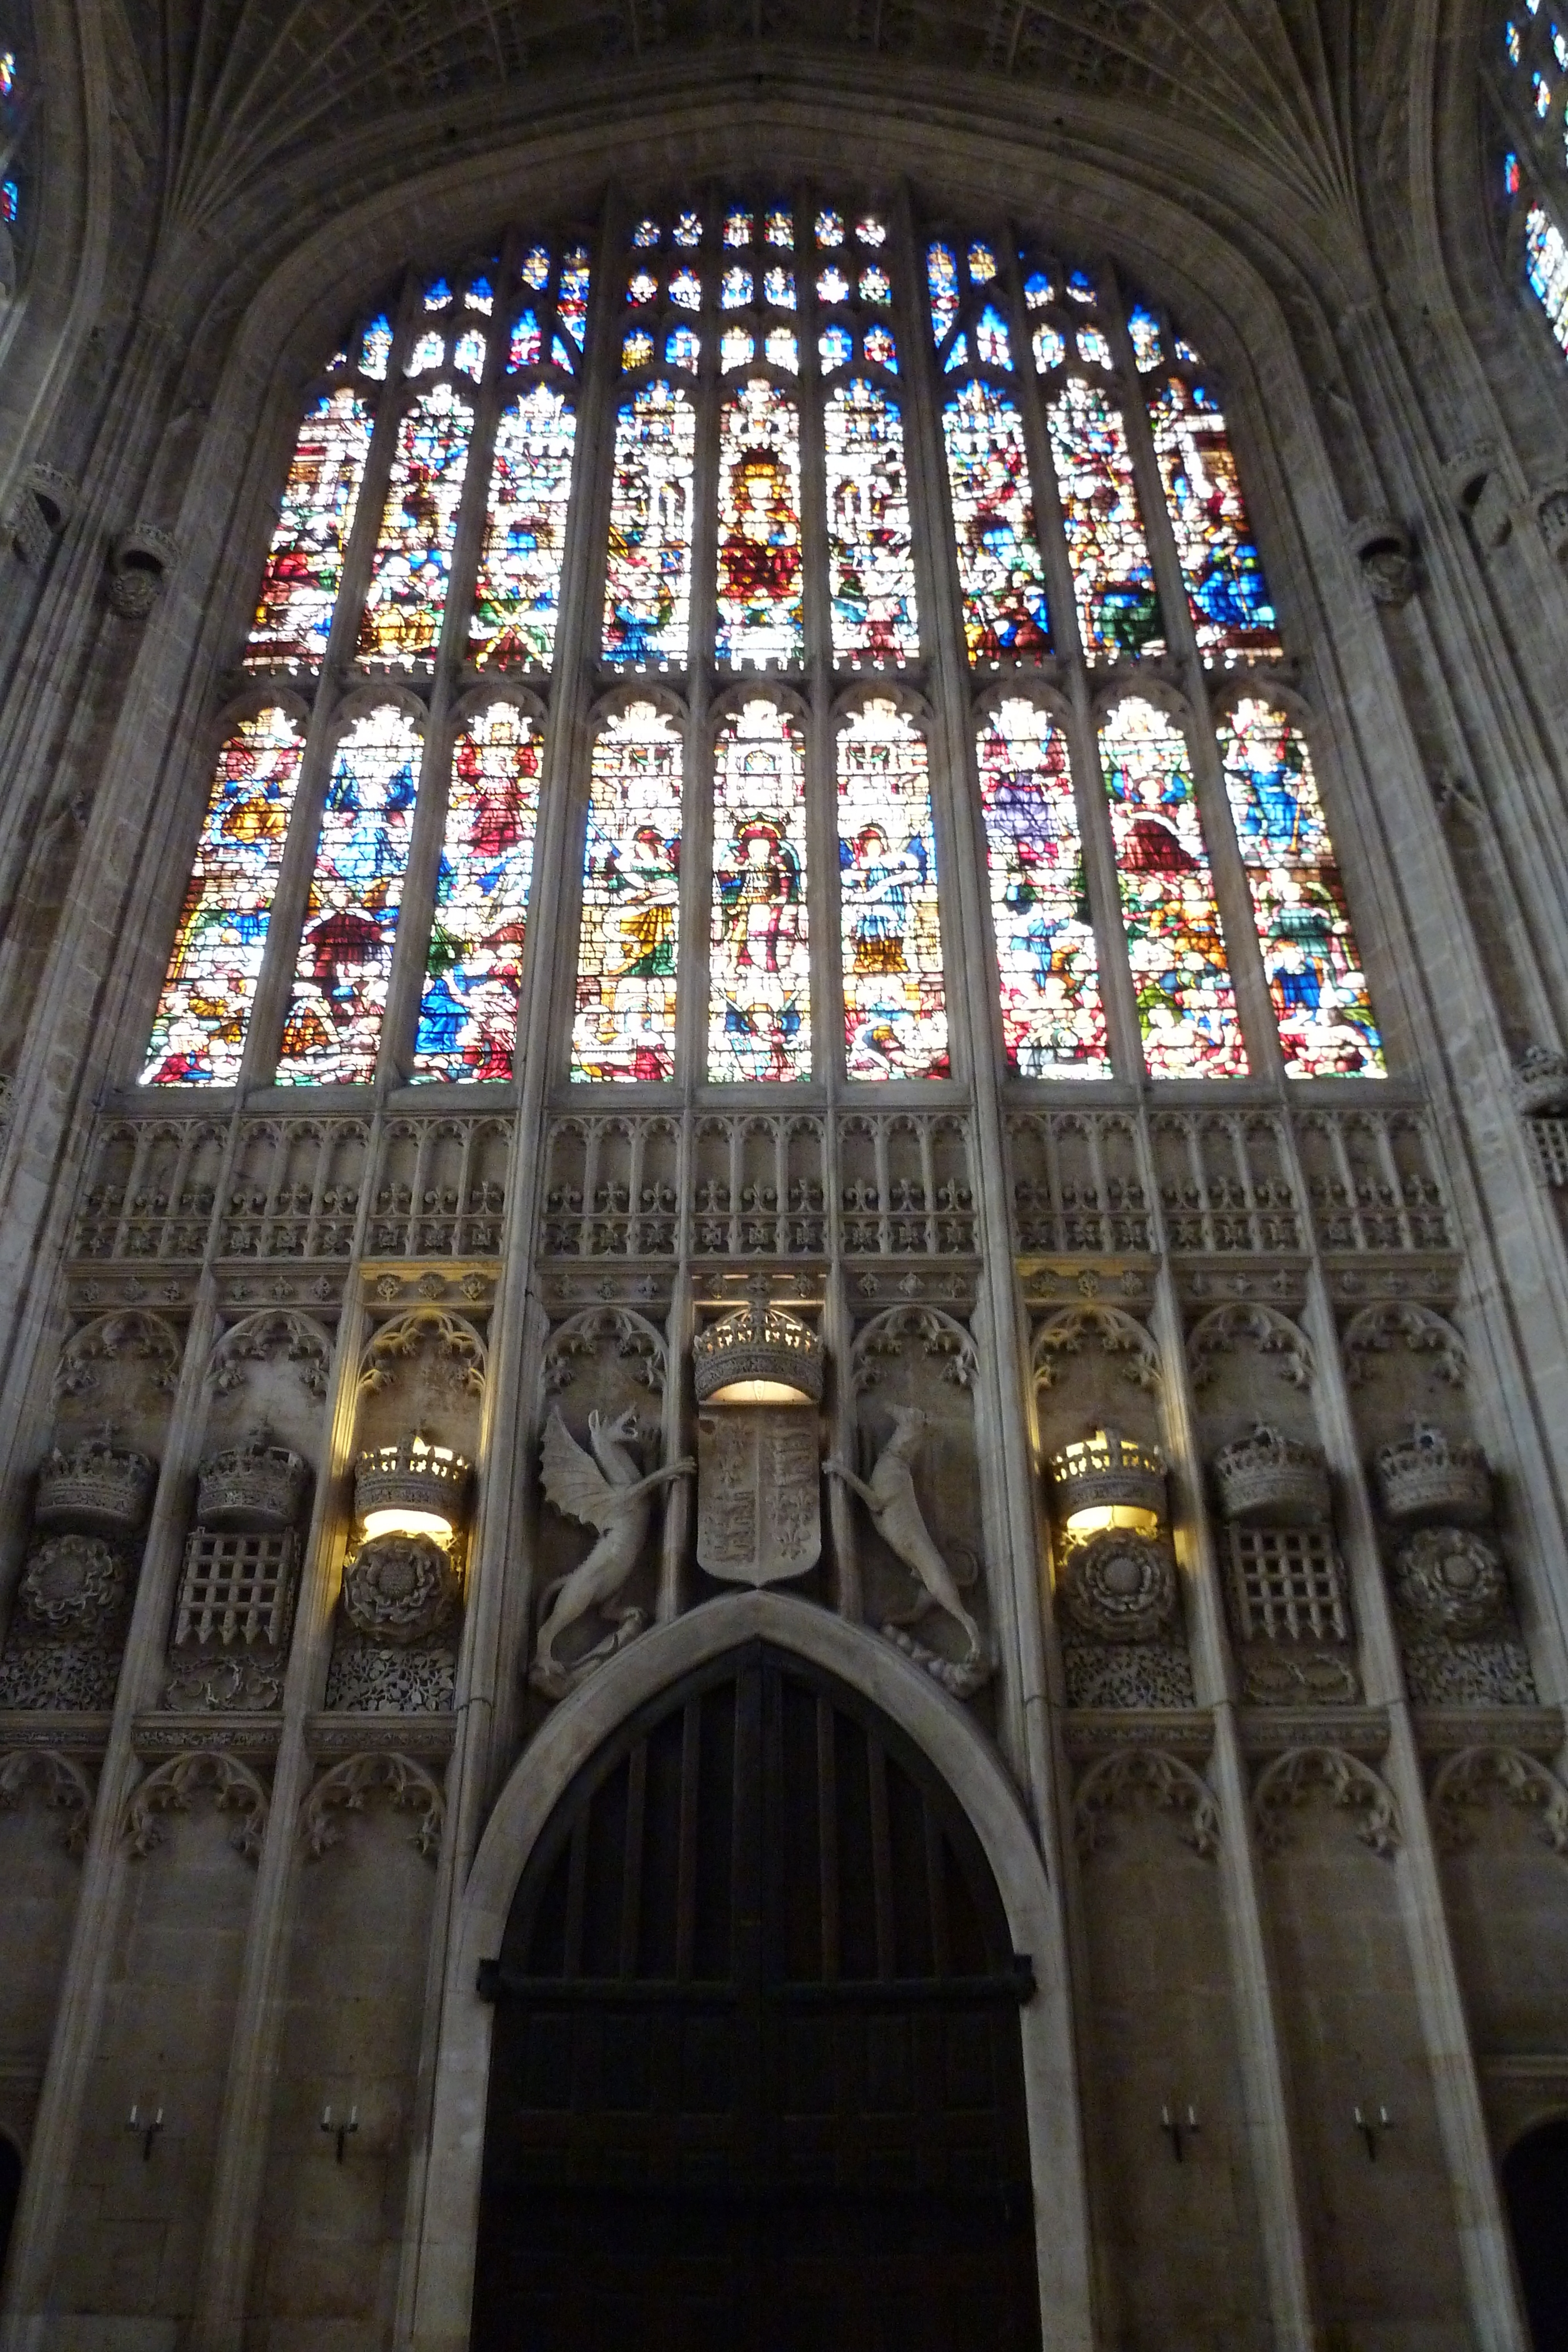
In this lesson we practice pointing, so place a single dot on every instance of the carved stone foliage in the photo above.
(276, 1335)
(1451, 1581)
(1479, 1776)
(231, 1783)
(60, 1782)
(1485, 1673)
(1072, 1329)
(1135, 1779)
(62, 1649)
(1128, 1673)
(1316, 1678)
(72, 1584)
(400, 1589)
(618, 1330)
(452, 1340)
(401, 1781)
(1120, 1587)
(133, 1339)
(913, 1371)
(1291, 1781)
(1252, 1327)
(370, 1678)
(1377, 1330)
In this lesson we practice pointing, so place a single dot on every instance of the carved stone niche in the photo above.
(604, 1377)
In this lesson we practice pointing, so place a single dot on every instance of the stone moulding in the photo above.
(65, 1787)
(127, 1332)
(1064, 1334)
(1290, 1780)
(938, 1334)
(275, 1331)
(169, 1788)
(636, 1342)
(403, 1335)
(1146, 1777)
(347, 1787)
(1469, 1780)
(1250, 1324)
(1377, 1329)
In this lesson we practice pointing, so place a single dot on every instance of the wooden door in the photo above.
(756, 2082)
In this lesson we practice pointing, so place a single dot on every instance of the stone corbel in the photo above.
(43, 503)
(140, 564)
(1386, 553)
(1481, 495)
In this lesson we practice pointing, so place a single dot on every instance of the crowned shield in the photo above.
(759, 1514)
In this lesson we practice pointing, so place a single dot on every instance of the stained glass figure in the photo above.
(1143, 329)
(737, 348)
(779, 288)
(830, 230)
(957, 358)
(642, 288)
(8, 73)
(1226, 588)
(780, 350)
(198, 1037)
(759, 1003)
(895, 1005)
(636, 351)
(735, 288)
(682, 349)
(879, 350)
(686, 290)
(624, 1026)
(1186, 1006)
(646, 233)
(375, 350)
(779, 230)
(468, 1010)
(871, 229)
(468, 354)
(305, 562)
(437, 295)
(758, 615)
(942, 278)
(835, 347)
(832, 285)
(334, 1021)
(870, 561)
(875, 285)
(1546, 267)
(528, 342)
(1094, 349)
(410, 569)
(1113, 579)
(999, 567)
(688, 229)
(572, 295)
(1038, 290)
(738, 228)
(1319, 993)
(1081, 286)
(518, 596)
(1510, 41)
(425, 353)
(647, 588)
(1054, 1024)
(993, 347)
(1050, 348)
(982, 264)
(480, 296)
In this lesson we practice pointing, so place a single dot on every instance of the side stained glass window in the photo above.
(518, 600)
(1319, 993)
(999, 568)
(1053, 1023)
(1219, 560)
(1186, 1005)
(624, 1026)
(334, 1022)
(413, 563)
(871, 557)
(1546, 268)
(895, 1005)
(468, 1010)
(198, 1037)
(759, 1004)
(648, 582)
(760, 603)
(305, 562)
(1113, 579)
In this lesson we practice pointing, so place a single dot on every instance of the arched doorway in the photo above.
(756, 2077)
(1535, 2187)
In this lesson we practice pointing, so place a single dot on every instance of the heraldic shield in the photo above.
(758, 1485)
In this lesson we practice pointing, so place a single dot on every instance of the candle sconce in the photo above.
(1374, 2124)
(342, 2130)
(146, 2127)
(1179, 2128)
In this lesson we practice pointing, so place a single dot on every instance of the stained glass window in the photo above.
(334, 1021)
(647, 588)
(1186, 1006)
(305, 562)
(519, 593)
(895, 1005)
(759, 1003)
(409, 572)
(759, 527)
(1219, 560)
(999, 568)
(871, 561)
(1546, 267)
(468, 1010)
(1054, 1024)
(1113, 579)
(199, 1034)
(624, 1026)
(1314, 974)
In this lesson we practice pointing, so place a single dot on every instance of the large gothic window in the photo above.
(1532, 92)
(736, 574)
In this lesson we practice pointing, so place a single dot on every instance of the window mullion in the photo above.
(415, 914)
(692, 983)
(1233, 895)
(1117, 993)
(334, 680)
(822, 811)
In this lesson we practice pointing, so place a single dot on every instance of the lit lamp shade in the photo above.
(412, 1488)
(759, 1355)
(1107, 1480)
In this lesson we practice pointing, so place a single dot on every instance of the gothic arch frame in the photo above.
(442, 2226)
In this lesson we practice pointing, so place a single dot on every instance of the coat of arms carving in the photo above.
(759, 1512)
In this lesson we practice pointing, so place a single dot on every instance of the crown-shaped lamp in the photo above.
(758, 1355)
(1107, 1480)
(412, 1488)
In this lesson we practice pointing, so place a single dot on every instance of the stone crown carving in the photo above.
(1273, 1477)
(1429, 1475)
(1541, 1082)
(1451, 1581)
(1108, 1469)
(256, 1485)
(413, 1475)
(71, 1584)
(400, 1589)
(757, 1342)
(97, 1485)
(1120, 1587)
